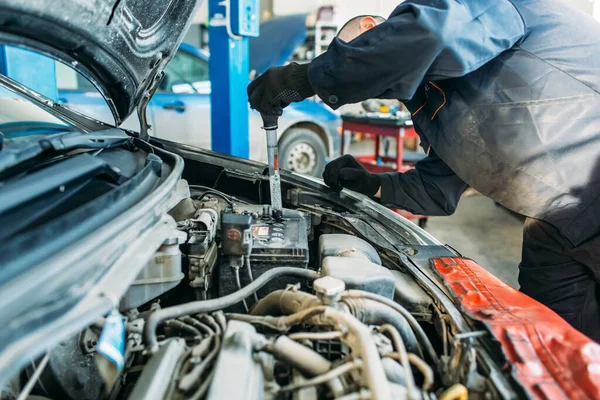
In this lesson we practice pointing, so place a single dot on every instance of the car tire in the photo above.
(302, 150)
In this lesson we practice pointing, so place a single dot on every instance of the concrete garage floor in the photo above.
(479, 229)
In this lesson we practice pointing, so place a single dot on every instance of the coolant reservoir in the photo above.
(160, 275)
(359, 274)
(342, 245)
(356, 263)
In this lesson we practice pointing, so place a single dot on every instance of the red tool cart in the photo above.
(391, 127)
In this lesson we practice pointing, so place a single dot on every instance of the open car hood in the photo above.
(120, 46)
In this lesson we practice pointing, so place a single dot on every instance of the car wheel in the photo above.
(302, 151)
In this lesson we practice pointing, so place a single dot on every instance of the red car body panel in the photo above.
(547, 356)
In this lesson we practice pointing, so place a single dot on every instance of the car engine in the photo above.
(244, 303)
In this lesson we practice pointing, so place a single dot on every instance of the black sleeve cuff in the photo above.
(299, 78)
(388, 195)
(317, 75)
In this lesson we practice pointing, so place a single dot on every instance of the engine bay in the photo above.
(242, 302)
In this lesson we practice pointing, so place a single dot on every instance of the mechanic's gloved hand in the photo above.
(274, 90)
(346, 172)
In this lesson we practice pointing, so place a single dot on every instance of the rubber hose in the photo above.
(182, 326)
(204, 306)
(306, 360)
(421, 335)
(364, 347)
(372, 312)
(284, 302)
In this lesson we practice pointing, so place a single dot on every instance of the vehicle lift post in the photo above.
(231, 23)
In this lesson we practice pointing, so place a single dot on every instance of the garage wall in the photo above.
(346, 8)
(202, 15)
(265, 5)
(585, 5)
(349, 8)
(283, 7)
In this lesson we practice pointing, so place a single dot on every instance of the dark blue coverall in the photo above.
(505, 97)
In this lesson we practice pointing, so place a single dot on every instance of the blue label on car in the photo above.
(112, 340)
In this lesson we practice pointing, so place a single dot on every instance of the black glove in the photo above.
(346, 172)
(274, 90)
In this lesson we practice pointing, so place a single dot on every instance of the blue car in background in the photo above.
(180, 108)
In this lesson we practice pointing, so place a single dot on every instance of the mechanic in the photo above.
(504, 96)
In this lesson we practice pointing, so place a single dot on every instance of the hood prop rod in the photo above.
(143, 105)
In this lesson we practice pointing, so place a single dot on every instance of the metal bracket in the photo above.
(88, 340)
(461, 366)
(227, 5)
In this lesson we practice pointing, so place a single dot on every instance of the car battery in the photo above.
(281, 242)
